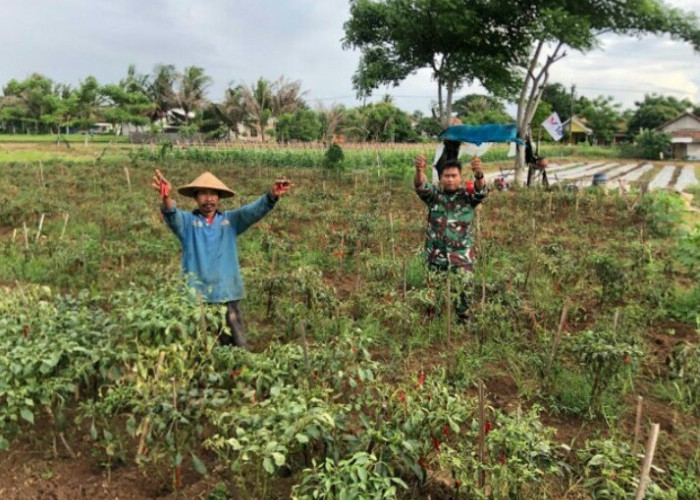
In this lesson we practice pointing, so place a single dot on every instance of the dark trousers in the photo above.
(234, 320)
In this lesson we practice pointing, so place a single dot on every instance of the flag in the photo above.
(553, 126)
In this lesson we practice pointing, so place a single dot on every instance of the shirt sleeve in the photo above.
(479, 196)
(176, 220)
(244, 217)
(426, 192)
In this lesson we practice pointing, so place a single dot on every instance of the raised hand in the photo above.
(161, 185)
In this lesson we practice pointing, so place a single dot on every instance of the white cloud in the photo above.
(242, 40)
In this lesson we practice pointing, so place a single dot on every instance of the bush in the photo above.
(334, 157)
(651, 144)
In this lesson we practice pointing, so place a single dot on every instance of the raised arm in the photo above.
(421, 166)
(161, 184)
(174, 218)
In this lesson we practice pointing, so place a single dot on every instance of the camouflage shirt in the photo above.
(448, 238)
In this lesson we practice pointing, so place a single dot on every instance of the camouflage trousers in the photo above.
(460, 287)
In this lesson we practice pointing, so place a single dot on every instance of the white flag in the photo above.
(553, 126)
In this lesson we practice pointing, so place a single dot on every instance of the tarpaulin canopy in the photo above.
(478, 134)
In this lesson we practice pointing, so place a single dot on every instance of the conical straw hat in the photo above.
(206, 181)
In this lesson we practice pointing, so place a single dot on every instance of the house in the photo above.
(685, 136)
(579, 132)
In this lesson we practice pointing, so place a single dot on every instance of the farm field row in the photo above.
(112, 384)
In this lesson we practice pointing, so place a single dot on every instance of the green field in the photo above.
(582, 301)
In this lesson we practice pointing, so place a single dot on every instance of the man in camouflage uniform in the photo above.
(449, 244)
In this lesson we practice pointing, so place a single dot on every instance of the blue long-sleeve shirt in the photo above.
(210, 251)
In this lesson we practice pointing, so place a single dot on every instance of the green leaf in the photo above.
(4, 444)
(280, 458)
(362, 474)
(268, 465)
(302, 438)
(199, 465)
(27, 415)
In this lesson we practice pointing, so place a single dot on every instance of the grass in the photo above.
(72, 138)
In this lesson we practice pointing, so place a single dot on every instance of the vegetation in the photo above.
(352, 388)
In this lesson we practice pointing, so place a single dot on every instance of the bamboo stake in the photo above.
(128, 179)
(405, 284)
(391, 229)
(147, 420)
(41, 173)
(26, 235)
(14, 234)
(637, 424)
(65, 224)
(550, 202)
(616, 319)
(38, 231)
(557, 336)
(482, 435)
(449, 310)
(648, 458)
(305, 348)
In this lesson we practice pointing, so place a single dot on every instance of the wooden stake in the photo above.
(305, 348)
(41, 173)
(26, 235)
(557, 337)
(550, 202)
(482, 435)
(648, 458)
(38, 231)
(391, 229)
(637, 424)
(405, 285)
(65, 224)
(449, 309)
(128, 179)
(616, 320)
(14, 234)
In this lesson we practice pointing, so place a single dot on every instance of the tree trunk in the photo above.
(441, 116)
(448, 103)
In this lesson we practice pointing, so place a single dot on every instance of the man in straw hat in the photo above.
(208, 238)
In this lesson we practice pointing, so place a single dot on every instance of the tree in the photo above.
(602, 115)
(123, 106)
(88, 102)
(192, 88)
(302, 125)
(29, 100)
(331, 120)
(656, 110)
(556, 95)
(161, 90)
(387, 123)
(426, 126)
(577, 24)
(460, 42)
(475, 109)
(265, 99)
(233, 111)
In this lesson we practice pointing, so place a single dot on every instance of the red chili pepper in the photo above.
(502, 458)
(235, 373)
(402, 396)
(424, 465)
(436, 443)
(355, 350)
(446, 431)
(421, 379)
(470, 187)
(487, 427)
(627, 359)
(458, 483)
(163, 190)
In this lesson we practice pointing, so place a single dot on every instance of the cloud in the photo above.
(241, 40)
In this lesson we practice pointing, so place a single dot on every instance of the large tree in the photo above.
(602, 115)
(28, 100)
(578, 24)
(656, 110)
(476, 109)
(459, 41)
(161, 90)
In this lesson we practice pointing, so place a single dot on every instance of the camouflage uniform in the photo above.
(449, 243)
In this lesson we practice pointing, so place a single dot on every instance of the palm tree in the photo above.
(192, 88)
(161, 90)
(331, 119)
(233, 111)
(258, 104)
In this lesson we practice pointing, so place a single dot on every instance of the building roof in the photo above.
(578, 125)
(679, 117)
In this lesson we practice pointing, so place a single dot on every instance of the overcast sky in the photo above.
(240, 41)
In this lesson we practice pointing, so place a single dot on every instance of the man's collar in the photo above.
(197, 212)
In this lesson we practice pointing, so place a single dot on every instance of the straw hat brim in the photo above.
(206, 181)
